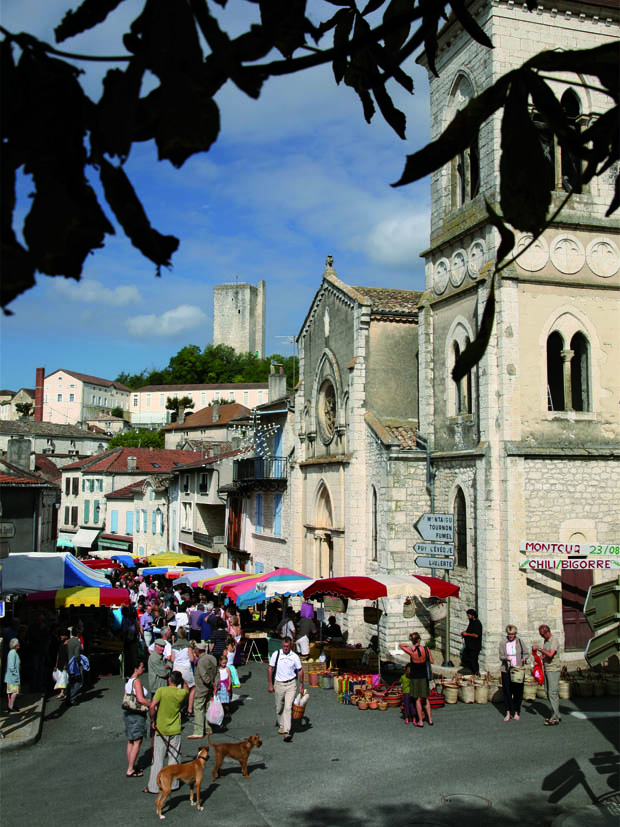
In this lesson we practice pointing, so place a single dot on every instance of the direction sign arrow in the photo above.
(435, 562)
(434, 548)
(436, 527)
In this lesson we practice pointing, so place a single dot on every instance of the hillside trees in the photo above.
(216, 364)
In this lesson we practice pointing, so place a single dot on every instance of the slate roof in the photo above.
(92, 380)
(159, 460)
(30, 427)
(204, 417)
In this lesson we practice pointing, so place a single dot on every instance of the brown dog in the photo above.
(239, 751)
(191, 773)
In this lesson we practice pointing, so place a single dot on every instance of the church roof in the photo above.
(393, 433)
(391, 302)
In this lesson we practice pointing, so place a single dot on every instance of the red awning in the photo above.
(372, 588)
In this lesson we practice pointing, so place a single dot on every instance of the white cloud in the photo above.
(397, 241)
(181, 319)
(91, 291)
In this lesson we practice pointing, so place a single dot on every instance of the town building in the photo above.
(239, 317)
(10, 400)
(148, 404)
(85, 484)
(208, 426)
(29, 511)
(68, 397)
(63, 444)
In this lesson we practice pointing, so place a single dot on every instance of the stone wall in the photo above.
(239, 317)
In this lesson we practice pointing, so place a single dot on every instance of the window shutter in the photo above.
(129, 522)
(137, 520)
(154, 523)
(259, 513)
(96, 511)
(68, 486)
(74, 515)
(67, 514)
(114, 521)
(86, 510)
(277, 515)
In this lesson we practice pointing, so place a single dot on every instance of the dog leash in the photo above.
(167, 742)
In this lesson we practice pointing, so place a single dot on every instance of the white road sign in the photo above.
(436, 527)
(435, 548)
(435, 562)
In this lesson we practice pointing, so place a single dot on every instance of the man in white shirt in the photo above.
(284, 669)
(165, 638)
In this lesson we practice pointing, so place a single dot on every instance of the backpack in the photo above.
(77, 665)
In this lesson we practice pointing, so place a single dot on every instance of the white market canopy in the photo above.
(36, 571)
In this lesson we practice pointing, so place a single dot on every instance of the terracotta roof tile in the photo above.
(204, 417)
(159, 460)
(391, 302)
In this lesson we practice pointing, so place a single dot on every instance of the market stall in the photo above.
(374, 589)
(36, 571)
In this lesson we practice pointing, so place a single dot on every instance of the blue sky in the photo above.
(293, 177)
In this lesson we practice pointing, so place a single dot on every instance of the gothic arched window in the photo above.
(460, 528)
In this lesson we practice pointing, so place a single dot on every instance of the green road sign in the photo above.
(602, 606)
(603, 646)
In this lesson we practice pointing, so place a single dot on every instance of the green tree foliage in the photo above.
(215, 365)
(140, 438)
(118, 412)
(24, 408)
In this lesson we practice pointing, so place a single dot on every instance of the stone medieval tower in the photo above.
(239, 317)
(526, 446)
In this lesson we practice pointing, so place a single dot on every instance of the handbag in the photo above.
(429, 669)
(131, 703)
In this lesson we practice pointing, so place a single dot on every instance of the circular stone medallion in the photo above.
(475, 258)
(535, 257)
(442, 274)
(458, 267)
(567, 254)
(603, 258)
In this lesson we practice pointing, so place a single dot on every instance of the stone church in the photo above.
(527, 446)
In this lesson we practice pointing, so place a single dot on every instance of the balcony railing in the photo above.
(203, 539)
(259, 468)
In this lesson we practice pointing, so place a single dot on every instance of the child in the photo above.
(231, 648)
(408, 704)
(224, 683)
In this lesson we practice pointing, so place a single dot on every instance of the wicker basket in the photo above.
(298, 712)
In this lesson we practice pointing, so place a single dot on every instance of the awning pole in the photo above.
(447, 661)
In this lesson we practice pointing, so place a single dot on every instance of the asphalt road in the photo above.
(343, 767)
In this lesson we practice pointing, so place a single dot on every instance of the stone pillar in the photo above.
(567, 355)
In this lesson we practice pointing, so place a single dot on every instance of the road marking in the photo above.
(584, 716)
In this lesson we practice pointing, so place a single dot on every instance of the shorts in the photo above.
(135, 725)
(302, 645)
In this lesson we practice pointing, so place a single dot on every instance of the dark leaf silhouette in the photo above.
(525, 188)
(65, 221)
(507, 237)
(127, 208)
(116, 111)
(615, 201)
(474, 351)
(470, 24)
(88, 14)
(17, 266)
(285, 23)
(458, 136)
(396, 38)
(371, 6)
(344, 24)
